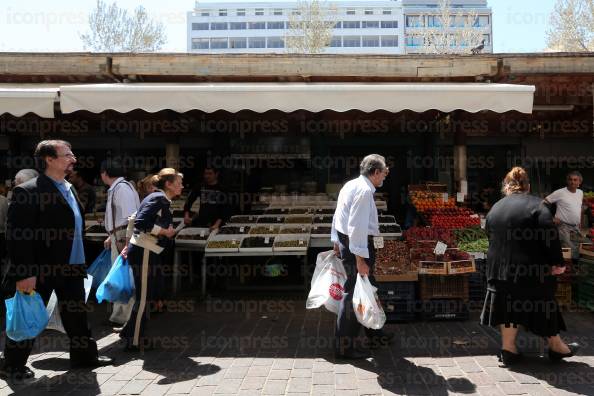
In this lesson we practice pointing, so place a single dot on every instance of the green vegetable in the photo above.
(480, 245)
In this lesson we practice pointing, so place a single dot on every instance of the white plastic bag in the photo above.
(366, 305)
(122, 312)
(327, 283)
(55, 320)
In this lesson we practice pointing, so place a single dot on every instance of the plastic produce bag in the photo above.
(118, 285)
(327, 283)
(100, 267)
(25, 316)
(366, 305)
(53, 312)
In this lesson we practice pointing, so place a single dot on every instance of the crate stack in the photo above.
(566, 281)
(444, 297)
(398, 300)
(477, 282)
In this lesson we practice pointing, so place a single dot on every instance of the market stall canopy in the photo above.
(289, 97)
(19, 100)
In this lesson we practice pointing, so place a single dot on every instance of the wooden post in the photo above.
(460, 160)
(172, 155)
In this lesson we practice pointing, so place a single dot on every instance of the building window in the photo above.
(259, 11)
(350, 11)
(368, 12)
(222, 12)
(370, 24)
(218, 43)
(199, 26)
(414, 41)
(371, 41)
(237, 42)
(240, 12)
(336, 41)
(276, 25)
(295, 12)
(257, 42)
(277, 11)
(276, 42)
(487, 38)
(256, 25)
(237, 25)
(389, 41)
(387, 12)
(389, 24)
(200, 43)
(219, 26)
(481, 21)
(205, 13)
(413, 21)
(351, 24)
(433, 21)
(351, 41)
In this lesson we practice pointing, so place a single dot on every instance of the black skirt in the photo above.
(531, 305)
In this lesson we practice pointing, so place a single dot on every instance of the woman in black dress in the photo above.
(153, 232)
(522, 263)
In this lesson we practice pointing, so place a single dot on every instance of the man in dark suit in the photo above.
(45, 247)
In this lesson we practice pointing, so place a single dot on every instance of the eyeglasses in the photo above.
(69, 155)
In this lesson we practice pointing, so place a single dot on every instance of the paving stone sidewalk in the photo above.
(276, 347)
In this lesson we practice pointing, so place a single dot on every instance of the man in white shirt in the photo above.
(354, 226)
(122, 202)
(569, 201)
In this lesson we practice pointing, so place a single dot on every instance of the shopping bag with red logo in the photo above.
(327, 283)
(366, 305)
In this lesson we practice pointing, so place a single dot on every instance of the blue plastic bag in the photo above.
(100, 267)
(118, 285)
(26, 316)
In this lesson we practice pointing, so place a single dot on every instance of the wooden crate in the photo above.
(461, 267)
(433, 268)
(563, 294)
(586, 250)
(444, 287)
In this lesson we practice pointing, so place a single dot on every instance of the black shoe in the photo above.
(353, 354)
(556, 356)
(16, 374)
(381, 340)
(101, 361)
(508, 358)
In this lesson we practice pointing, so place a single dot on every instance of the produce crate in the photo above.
(563, 294)
(445, 309)
(407, 277)
(400, 311)
(461, 267)
(396, 291)
(444, 287)
(585, 295)
(587, 250)
(433, 268)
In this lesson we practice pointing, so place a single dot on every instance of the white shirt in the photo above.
(356, 215)
(125, 200)
(569, 205)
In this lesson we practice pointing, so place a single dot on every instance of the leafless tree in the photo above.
(447, 32)
(112, 29)
(571, 26)
(310, 27)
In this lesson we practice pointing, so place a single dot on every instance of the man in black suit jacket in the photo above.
(45, 246)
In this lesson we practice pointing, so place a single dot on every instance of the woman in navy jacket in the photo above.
(153, 231)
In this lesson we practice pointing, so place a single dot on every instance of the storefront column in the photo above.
(460, 161)
(172, 155)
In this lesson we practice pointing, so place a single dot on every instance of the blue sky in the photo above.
(54, 26)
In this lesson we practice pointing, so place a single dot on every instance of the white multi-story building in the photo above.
(363, 27)
(419, 14)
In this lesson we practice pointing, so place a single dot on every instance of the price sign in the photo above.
(241, 229)
(440, 248)
(267, 240)
(445, 197)
(460, 197)
(301, 241)
(378, 242)
(201, 233)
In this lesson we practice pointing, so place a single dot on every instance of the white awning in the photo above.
(288, 97)
(19, 100)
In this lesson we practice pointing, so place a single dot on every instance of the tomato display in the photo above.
(452, 218)
(427, 200)
(415, 234)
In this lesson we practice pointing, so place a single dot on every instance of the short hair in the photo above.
(575, 173)
(113, 167)
(24, 175)
(48, 148)
(371, 163)
(516, 181)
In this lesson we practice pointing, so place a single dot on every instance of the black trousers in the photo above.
(348, 327)
(68, 283)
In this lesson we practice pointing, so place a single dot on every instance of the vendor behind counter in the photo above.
(214, 202)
